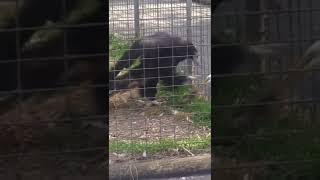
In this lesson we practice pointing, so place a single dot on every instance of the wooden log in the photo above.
(163, 168)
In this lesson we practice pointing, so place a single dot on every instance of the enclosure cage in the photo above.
(53, 68)
(149, 130)
(266, 109)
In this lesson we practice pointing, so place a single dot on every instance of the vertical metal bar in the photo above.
(265, 63)
(128, 5)
(136, 19)
(282, 64)
(171, 11)
(242, 21)
(313, 73)
(299, 23)
(202, 65)
(158, 15)
(189, 32)
(18, 60)
(65, 59)
(292, 107)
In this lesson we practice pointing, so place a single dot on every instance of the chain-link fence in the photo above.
(265, 59)
(53, 89)
(159, 99)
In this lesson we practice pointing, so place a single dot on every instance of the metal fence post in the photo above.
(136, 19)
(189, 32)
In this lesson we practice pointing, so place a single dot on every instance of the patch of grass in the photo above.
(186, 99)
(116, 47)
(201, 111)
(164, 145)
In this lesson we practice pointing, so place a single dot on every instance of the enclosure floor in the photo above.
(127, 124)
(135, 122)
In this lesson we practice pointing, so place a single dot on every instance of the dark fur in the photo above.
(159, 55)
(45, 72)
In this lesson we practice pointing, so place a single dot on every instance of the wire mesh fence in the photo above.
(53, 89)
(159, 103)
(265, 60)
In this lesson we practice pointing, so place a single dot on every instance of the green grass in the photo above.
(116, 47)
(162, 146)
(183, 97)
